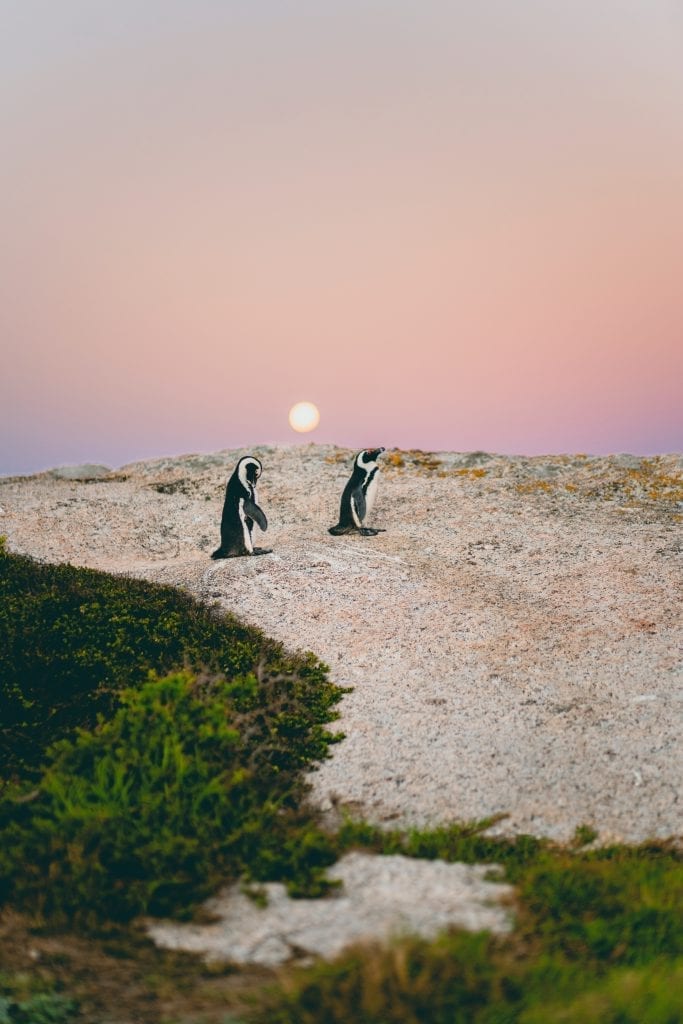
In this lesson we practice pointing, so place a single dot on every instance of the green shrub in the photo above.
(151, 810)
(652, 995)
(42, 1008)
(620, 904)
(156, 788)
(72, 639)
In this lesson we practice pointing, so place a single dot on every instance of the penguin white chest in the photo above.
(246, 532)
(370, 495)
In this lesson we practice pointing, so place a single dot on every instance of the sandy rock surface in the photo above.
(513, 639)
(380, 897)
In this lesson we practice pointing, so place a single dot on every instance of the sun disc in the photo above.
(304, 416)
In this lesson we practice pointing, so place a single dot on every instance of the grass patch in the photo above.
(449, 981)
(650, 995)
(40, 1008)
(467, 843)
(470, 979)
(136, 793)
(582, 918)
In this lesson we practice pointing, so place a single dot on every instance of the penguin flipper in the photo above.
(358, 506)
(256, 513)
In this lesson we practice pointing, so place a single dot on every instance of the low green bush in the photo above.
(152, 790)
(42, 1008)
(450, 981)
(150, 811)
(618, 905)
(652, 995)
(71, 640)
(468, 979)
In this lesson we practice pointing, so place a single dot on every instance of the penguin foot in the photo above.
(369, 531)
(238, 554)
(262, 551)
(339, 531)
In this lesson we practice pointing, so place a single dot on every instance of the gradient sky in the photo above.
(452, 225)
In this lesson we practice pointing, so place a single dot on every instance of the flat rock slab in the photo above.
(513, 639)
(86, 471)
(380, 897)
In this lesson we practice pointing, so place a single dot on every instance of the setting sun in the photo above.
(304, 416)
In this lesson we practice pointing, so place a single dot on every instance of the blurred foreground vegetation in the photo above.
(598, 939)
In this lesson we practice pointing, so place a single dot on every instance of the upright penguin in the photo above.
(240, 511)
(358, 496)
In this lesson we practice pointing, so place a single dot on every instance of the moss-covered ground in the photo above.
(151, 748)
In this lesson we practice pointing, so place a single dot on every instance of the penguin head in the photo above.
(248, 471)
(368, 457)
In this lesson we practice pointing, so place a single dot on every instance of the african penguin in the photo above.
(359, 494)
(240, 511)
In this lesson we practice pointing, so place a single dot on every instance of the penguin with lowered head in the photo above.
(240, 511)
(358, 496)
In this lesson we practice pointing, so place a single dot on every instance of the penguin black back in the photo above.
(358, 496)
(240, 511)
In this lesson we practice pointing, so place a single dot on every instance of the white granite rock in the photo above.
(86, 471)
(380, 897)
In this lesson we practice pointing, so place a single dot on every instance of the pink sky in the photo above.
(450, 228)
